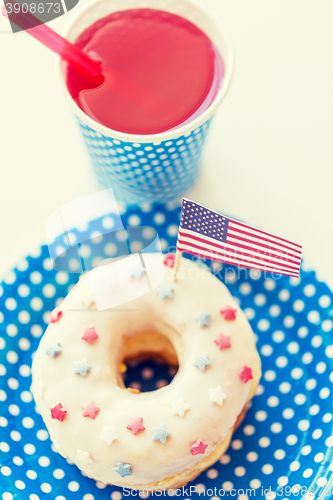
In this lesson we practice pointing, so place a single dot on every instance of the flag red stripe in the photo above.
(263, 245)
(267, 234)
(201, 240)
(276, 271)
(283, 256)
(262, 238)
(273, 264)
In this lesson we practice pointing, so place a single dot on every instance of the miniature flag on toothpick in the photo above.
(206, 233)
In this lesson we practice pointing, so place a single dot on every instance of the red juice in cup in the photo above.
(160, 71)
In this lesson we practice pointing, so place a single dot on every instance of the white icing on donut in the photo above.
(103, 447)
(40, 387)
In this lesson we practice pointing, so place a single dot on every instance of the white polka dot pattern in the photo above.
(147, 172)
(286, 437)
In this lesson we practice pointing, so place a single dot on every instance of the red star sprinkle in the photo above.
(228, 313)
(58, 412)
(135, 425)
(245, 374)
(55, 315)
(222, 341)
(90, 335)
(90, 410)
(169, 260)
(199, 447)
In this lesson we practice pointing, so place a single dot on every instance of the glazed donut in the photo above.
(158, 439)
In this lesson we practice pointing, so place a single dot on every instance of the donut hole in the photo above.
(149, 361)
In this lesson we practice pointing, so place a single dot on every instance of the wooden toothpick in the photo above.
(176, 264)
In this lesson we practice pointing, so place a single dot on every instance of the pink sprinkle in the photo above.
(228, 313)
(135, 425)
(4, 11)
(245, 374)
(222, 341)
(55, 315)
(90, 410)
(89, 334)
(58, 412)
(199, 447)
(169, 260)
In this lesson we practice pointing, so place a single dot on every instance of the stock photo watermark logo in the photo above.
(26, 14)
(87, 236)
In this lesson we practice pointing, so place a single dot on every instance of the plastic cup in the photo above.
(158, 167)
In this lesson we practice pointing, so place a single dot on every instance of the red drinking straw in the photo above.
(67, 51)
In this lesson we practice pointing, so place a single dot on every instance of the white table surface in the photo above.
(269, 156)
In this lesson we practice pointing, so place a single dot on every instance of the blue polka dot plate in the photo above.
(284, 447)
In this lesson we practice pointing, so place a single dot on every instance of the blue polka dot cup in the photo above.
(149, 168)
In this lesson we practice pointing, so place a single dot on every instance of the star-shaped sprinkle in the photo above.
(58, 412)
(90, 410)
(137, 272)
(87, 301)
(135, 425)
(179, 407)
(123, 469)
(82, 367)
(84, 457)
(109, 434)
(89, 334)
(228, 313)
(169, 260)
(55, 315)
(165, 291)
(199, 447)
(202, 318)
(40, 388)
(202, 361)
(245, 374)
(53, 349)
(217, 395)
(222, 341)
(160, 433)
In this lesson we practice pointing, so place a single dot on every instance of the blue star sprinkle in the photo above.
(165, 291)
(53, 349)
(202, 318)
(82, 367)
(137, 272)
(160, 433)
(123, 469)
(202, 361)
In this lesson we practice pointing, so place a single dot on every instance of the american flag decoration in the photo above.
(206, 233)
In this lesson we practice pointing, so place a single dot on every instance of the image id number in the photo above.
(33, 8)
